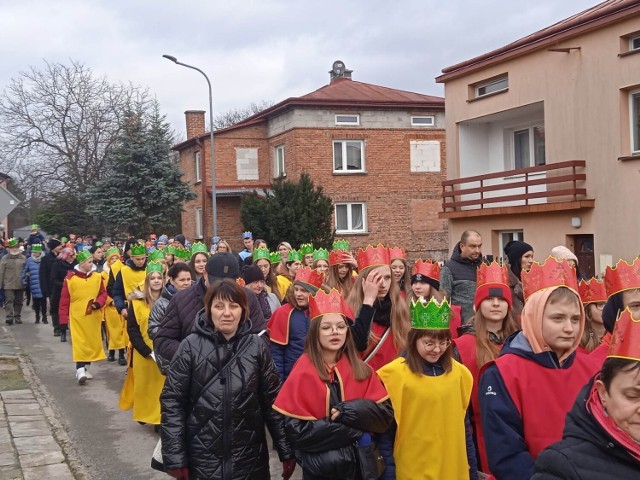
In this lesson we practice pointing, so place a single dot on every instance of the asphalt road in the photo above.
(107, 442)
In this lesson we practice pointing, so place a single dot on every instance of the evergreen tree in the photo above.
(144, 191)
(297, 212)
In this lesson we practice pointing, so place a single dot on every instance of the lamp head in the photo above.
(171, 57)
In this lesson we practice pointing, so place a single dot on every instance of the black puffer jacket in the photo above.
(215, 403)
(586, 451)
(156, 318)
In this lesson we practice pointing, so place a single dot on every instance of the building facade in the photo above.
(543, 139)
(379, 153)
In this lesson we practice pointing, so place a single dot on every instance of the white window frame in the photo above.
(431, 121)
(349, 206)
(278, 165)
(342, 119)
(634, 43)
(532, 145)
(197, 165)
(344, 169)
(199, 219)
(489, 83)
(634, 121)
(517, 235)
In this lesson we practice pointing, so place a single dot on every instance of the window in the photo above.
(424, 155)
(634, 43)
(247, 163)
(635, 121)
(347, 119)
(351, 218)
(428, 121)
(492, 86)
(278, 162)
(196, 166)
(199, 223)
(528, 147)
(348, 156)
(505, 237)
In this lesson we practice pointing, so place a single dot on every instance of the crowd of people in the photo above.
(360, 364)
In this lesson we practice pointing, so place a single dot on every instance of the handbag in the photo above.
(370, 461)
(156, 458)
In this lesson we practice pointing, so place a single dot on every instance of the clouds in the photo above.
(263, 49)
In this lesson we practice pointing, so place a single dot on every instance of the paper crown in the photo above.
(183, 254)
(294, 256)
(64, 240)
(430, 315)
(111, 252)
(310, 276)
(372, 256)
(247, 234)
(83, 256)
(324, 303)
(154, 267)
(156, 255)
(492, 274)
(306, 248)
(138, 250)
(240, 281)
(261, 253)
(35, 226)
(275, 257)
(199, 247)
(12, 242)
(625, 341)
(428, 269)
(36, 247)
(336, 257)
(623, 276)
(169, 250)
(321, 254)
(592, 291)
(340, 245)
(551, 273)
(396, 253)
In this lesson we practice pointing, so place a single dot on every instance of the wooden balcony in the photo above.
(544, 188)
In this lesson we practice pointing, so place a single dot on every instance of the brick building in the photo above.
(379, 153)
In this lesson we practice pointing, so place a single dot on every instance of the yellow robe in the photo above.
(116, 326)
(430, 440)
(86, 330)
(283, 285)
(131, 279)
(145, 375)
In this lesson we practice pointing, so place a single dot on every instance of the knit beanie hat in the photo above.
(252, 274)
(53, 243)
(561, 252)
(514, 250)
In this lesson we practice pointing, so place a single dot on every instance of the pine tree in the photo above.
(297, 212)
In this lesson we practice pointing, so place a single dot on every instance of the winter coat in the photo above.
(155, 320)
(296, 322)
(181, 314)
(586, 451)
(11, 271)
(213, 416)
(35, 238)
(517, 295)
(59, 271)
(46, 264)
(458, 280)
(31, 276)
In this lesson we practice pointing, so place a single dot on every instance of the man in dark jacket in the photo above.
(458, 276)
(185, 305)
(46, 263)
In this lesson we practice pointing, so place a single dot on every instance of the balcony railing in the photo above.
(553, 183)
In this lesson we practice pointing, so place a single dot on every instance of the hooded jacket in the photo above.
(213, 416)
(458, 280)
(31, 276)
(586, 451)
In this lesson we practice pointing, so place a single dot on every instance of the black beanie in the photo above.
(611, 311)
(252, 274)
(423, 278)
(514, 250)
(53, 243)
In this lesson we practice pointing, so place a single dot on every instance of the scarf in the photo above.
(383, 311)
(264, 304)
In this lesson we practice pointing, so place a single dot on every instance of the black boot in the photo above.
(63, 335)
(37, 317)
(112, 356)
(121, 358)
(56, 332)
(44, 320)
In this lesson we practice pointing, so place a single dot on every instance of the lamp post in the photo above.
(214, 206)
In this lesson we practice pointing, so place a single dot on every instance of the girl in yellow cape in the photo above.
(82, 296)
(144, 381)
(430, 393)
(117, 338)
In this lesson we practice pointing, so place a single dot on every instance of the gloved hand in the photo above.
(179, 473)
(288, 466)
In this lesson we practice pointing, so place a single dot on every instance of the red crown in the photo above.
(310, 276)
(494, 274)
(397, 253)
(372, 256)
(625, 342)
(336, 257)
(622, 277)
(428, 269)
(322, 303)
(551, 273)
(592, 291)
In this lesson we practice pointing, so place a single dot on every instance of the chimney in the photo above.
(338, 70)
(195, 123)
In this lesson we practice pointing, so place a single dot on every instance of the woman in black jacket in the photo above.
(65, 262)
(218, 395)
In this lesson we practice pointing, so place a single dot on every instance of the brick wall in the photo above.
(195, 123)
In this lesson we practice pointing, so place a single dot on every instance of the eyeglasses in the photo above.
(432, 346)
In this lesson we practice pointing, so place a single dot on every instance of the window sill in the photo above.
(493, 94)
(276, 177)
(633, 156)
(349, 232)
(628, 53)
(349, 173)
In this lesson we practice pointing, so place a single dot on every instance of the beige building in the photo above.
(543, 139)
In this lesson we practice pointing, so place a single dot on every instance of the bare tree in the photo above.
(231, 117)
(59, 124)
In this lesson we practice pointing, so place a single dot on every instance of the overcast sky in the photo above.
(257, 50)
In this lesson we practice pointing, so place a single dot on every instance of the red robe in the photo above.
(387, 351)
(278, 325)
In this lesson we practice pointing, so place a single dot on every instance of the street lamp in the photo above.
(214, 206)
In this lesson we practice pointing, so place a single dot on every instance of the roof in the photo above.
(590, 19)
(340, 93)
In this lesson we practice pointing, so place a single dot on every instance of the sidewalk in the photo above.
(29, 449)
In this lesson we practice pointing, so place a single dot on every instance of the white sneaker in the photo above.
(81, 375)
(88, 373)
